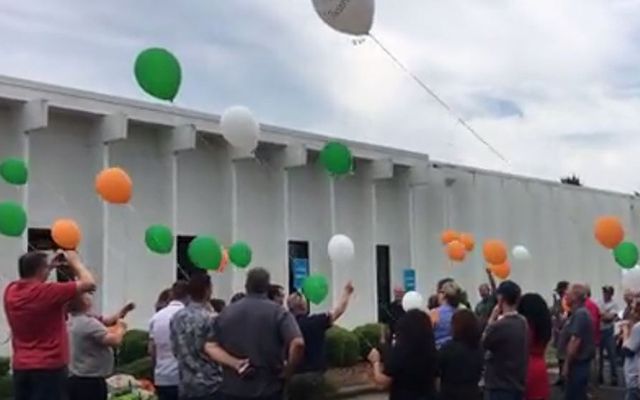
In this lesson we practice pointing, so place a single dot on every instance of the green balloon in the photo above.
(205, 253)
(336, 158)
(240, 254)
(626, 255)
(13, 219)
(315, 288)
(14, 171)
(158, 73)
(159, 239)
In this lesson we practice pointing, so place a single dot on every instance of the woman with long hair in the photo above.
(533, 307)
(461, 360)
(410, 368)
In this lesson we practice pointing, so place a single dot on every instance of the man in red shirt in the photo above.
(35, 311)
(594, 312)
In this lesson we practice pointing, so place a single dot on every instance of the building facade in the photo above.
(280, 201)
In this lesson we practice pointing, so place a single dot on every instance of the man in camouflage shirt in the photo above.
(191, 328)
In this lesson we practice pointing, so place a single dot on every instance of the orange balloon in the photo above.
(609, 231)
(66, 234)
(449, 236)
(114, 186)
(468, 240)
(224, 261)
(495, 252)
(501, 271)
(456, 251)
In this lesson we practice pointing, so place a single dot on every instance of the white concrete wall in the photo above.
(204, 191)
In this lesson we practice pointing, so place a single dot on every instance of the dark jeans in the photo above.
(82, 388)
(40, 384)
(608, 344)
(632, 394)
(275, 396)
(217, 396)
(503, 395)
(167, 392)
(578, 381)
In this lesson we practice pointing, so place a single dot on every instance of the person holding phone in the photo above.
(41, 355)
(506, 342)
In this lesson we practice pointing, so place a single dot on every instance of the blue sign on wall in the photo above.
(409, 278)
(300, 271)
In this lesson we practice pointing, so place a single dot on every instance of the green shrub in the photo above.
(139, 369)
(368, 337)
(343, 347)
(5, 366)
(133, 347)
(6, 387)
(312, 386)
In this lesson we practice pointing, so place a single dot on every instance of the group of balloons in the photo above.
(315, 288)
(609, 232)
(13, 218)
(457, 245)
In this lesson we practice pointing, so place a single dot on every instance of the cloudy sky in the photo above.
(554, 85)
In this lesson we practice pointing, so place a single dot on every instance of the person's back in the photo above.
(166, 372)
(506, 342)
(461, 369)
(191, 327)
(252, 329)
(442, 324)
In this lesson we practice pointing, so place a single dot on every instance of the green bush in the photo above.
(133, 347)
(5, 366)
(311, 386)
(6, 387)
(343, 347)
(139, 369)
(369, 337)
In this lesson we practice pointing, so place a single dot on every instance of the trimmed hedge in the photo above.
(343, 347)
(5, 366)
(6, 387)
(369, 337)
(134, 347)
(139, 369)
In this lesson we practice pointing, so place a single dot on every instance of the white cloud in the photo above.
(569, 68)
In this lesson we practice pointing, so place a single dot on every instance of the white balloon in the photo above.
(353, 17)
(341, 249)
(412, 301)
(240, 128)
(631, 279)
(521, 253)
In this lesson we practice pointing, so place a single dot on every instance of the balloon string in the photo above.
(438, 99)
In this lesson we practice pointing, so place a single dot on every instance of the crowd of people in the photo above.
(267, 345)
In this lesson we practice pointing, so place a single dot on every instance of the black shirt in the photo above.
(313, 328)
(460, 371)
(413, 375)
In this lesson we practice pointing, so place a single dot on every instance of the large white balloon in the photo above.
(240, 128)
(354, 17)
(412, 301)
(521, 253)
(341, 249)
(631, 279)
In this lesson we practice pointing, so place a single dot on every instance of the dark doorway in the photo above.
(383, 282)
(184, 267)
(298, 264)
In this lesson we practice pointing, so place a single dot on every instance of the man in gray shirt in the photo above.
(251, 338)
(580, 347)
(506, 342)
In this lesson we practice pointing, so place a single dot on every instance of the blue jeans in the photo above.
(494, 394)
(578, 381)
(608, 344)
(632, 394)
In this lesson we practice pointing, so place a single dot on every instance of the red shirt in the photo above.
(594, 311)
(36, 315)
(537, 383)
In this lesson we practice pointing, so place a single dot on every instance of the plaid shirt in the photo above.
(191, 328)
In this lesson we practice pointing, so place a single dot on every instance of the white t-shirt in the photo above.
(166, 371)
(608, 308)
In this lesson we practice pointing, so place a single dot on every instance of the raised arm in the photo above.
(111, 320)
(85, 281)
(492, 281)
(342, 305)
(114, 336)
